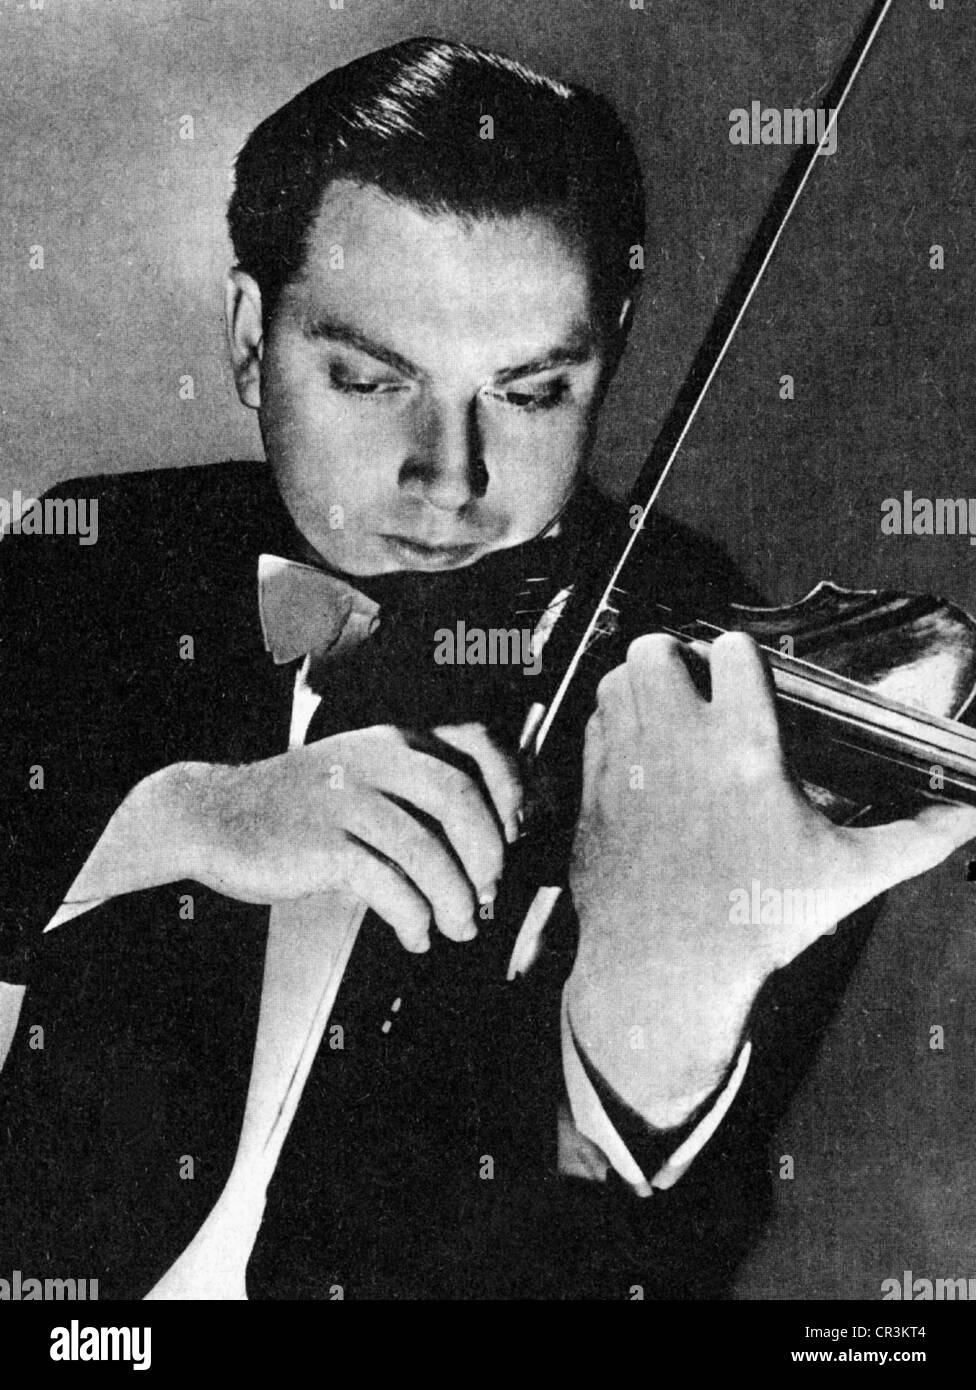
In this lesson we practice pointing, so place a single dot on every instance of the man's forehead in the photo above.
(364, 215)
(386, 266)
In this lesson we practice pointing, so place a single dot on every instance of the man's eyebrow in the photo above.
(579, 347)
(335, 331)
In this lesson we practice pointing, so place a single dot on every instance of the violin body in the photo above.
(914, 649)
(911, 650)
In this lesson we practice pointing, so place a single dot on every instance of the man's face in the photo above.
(427, 388)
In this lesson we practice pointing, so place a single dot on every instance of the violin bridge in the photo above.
(607, 622)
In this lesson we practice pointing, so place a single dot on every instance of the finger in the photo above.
(661, 683)
(460, 807)
(498, 769)
(594, 762)
(616, 708)
(426, 861)
(389, 893)
(743, 693)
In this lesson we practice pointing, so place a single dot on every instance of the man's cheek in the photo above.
(362, 457)
(557, 451)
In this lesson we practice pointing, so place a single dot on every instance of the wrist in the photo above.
(173, 806)
(663, 1033)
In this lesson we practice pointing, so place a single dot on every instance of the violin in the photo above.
(872, 686)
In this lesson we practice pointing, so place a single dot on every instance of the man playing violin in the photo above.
(425, 313)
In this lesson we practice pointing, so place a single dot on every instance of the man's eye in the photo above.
(543, 399)
(350, 386)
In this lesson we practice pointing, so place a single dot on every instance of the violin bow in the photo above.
(706, 364)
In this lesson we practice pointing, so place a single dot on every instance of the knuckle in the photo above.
(475, 840)
(451, 782)
(756, 759)
(652, 649)
(736, 640)
(359, 821)
(416, 848)
(344, 873)
(470, 734)
(738, 648)
(464, 788)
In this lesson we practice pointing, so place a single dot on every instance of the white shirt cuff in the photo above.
(591, 1120)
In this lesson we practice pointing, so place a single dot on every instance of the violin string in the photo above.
(825, 678)
(949, 777)
(923, 750)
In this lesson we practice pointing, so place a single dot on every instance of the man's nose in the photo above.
(446, 464)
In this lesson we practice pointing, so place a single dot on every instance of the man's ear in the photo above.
(618, 340)
(245, 334)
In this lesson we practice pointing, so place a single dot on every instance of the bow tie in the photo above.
(307, 610)
(304, 609)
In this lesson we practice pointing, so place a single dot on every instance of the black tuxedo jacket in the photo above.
(148, 1015)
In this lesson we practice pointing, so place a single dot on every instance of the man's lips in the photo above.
(440, 555)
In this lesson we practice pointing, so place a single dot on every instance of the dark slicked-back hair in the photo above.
(409, 120)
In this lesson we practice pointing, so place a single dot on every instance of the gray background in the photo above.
(880, 346)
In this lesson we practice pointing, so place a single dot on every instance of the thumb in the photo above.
(906, 848)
